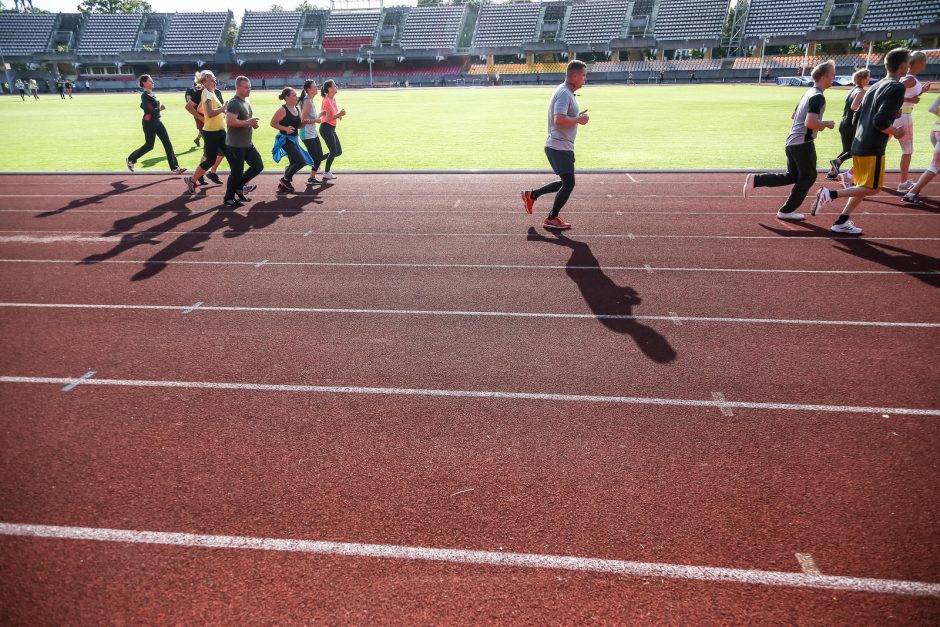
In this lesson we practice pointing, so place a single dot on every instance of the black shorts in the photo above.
(562, 161)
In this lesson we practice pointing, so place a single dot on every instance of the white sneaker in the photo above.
(822, 198)
(792, 215)
(846, 227)
(748, 185)
(846, 179)
(328, 176)
(906, 185)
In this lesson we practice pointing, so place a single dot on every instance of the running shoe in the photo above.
(178, 170)
(232, 202)
(913, 199)
(285, 184)
(822, 198)
(835, 166)
(212, 176)
(846, 227)
(846, 179)
(130, 165)
(556, 223)
(748, 185)
(906, 186)
(202, 180)
(247, 189)
(832, 176)
(528, 201)
(790, 215)
(240, 196)
(196, 141)
(190, 185)
(328, 176)
(312, 180)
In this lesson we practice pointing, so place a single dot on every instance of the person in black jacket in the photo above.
(153, 128)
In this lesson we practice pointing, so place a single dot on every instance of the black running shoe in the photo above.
(232, 202)
(202, 180)
(212, 176)
(196, 141)
(240, 196)
(286, 185)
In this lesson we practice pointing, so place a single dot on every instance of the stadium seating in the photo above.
(25, 33)
(694, 65)
(890, 15)
(391, 24)
(452, 68)
(690, 19)
(509, 69)
(105, 33)
(681, 65)
(795, 62)
(259, 74)
(596, 21)
(506, 25)
(783, 17)
(312, 28)
(194, 33)
(350, 30)
(433, 27)
(267, 31)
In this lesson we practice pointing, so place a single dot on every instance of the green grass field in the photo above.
(683, 126)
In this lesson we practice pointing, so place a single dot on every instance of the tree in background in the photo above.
(276, 8)
(115, 6)
(228, 39)
(305, 6)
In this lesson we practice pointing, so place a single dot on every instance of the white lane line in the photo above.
(807, 564)
(308, 233)
(521, 235)
(648, 268)
(722, 404)
(676, 320)
(630, 176)
(474, 266)
(192, 308)
(261, 263)
(481, 314)
(499, 559)
(457, 204)
(71, 386)
(448, 212)
(490, 394)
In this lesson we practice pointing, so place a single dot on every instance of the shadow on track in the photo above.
(918, 265)
(607, 299)
(118, 188)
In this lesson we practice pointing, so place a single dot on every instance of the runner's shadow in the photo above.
(119, 187)
(146, 163)
(611, 303)
(918, 265)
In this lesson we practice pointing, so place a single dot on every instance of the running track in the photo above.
(392, 399)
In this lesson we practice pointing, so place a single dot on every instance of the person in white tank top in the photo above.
(913, 90)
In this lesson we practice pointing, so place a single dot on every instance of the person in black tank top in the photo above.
(287, 122)
(153, 128)
(849, 123)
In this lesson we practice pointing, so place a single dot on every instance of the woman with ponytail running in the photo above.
(309, 120)
(153, 128)
(330, 115)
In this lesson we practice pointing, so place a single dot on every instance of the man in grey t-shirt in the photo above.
(564, 117)
(239, 149)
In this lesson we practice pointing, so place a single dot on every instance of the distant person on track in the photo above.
(193, 96)
(800, 146)
(21, 87)
(239, 147)
(286, 121)
(330, 115)
(849, 123)
(153, 128)
(308, 121)
(913, 89)
(68, 88)
(880, 108)
(564, 117)
(34, 88)
(912, 197)
(213, 132)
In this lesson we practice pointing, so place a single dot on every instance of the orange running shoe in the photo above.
(556, 223)
(528, 201)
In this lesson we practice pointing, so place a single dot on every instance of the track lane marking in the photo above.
(71, 386)
(807, 564)
(191, 308)
(501, 559)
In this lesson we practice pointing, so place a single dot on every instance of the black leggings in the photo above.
(296, 160)
(238, 178)
(214, 146)
(153, 130)
(315, 149)
(847, 133)
(328, 131)
(801, 174)
(563, 188)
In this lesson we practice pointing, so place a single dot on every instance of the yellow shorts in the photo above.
(869, 171)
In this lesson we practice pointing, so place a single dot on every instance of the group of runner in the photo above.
(22, 86)
(225, 131)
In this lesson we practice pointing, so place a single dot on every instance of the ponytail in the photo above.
(326, 87)
(287, 91)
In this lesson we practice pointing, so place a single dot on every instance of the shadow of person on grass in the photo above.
(610, 303)
(918, 265)
(118, 188)
(231, 224)
(152, 161)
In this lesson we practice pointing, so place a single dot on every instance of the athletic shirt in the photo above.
(878, 111)
(308, 131)
(849, 117)
(150, 106)
(329, 105)
(813, 101)
(290, 119)
(216, 123)
(911, 92)
(562, 103)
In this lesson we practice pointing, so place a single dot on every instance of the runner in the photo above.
(564, 118)
(329, 117)
(309, 121)
(153, 128)
(876, 116)
(193, 95)
(195, 99)
(913, 88)
(213, 130)
(913, 196)
(21, 87)
(68, 88)
(239, 148)
(800, 146)
(849, 123)
(286, 120)
(34, 88)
